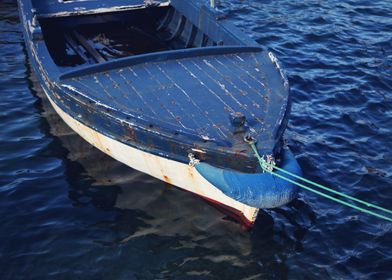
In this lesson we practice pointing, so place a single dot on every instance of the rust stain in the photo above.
(227, 159)
(237, 154)
(167, 179)
(173, 148)
(130, 133)
(191, 174)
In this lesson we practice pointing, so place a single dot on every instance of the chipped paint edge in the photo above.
(173, 172)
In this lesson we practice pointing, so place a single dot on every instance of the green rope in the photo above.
(263, 165)
(318, 185)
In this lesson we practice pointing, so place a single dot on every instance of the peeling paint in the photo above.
(282, 74)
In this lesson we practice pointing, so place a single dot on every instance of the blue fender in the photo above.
(260, 190)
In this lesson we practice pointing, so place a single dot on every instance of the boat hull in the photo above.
(175, 173)
(103, 112)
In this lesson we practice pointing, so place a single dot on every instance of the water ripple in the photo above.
(63, 216)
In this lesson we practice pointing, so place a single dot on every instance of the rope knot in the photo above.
(249, 138)
(192, 160)
(268, 163)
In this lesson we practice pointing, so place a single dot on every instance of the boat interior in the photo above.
(89, 39)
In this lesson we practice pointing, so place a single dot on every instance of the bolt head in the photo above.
(237, 119)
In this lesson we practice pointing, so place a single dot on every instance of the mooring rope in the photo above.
(264, 164)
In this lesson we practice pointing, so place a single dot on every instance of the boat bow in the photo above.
(260, 190)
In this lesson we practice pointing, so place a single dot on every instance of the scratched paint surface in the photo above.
(196, 94)
(67, 211)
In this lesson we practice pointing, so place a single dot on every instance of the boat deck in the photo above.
(194, 94)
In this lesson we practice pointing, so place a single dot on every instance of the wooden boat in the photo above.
(170, 89)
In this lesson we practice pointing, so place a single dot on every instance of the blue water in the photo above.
(69, 212)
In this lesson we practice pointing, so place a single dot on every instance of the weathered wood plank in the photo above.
(90, 49)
